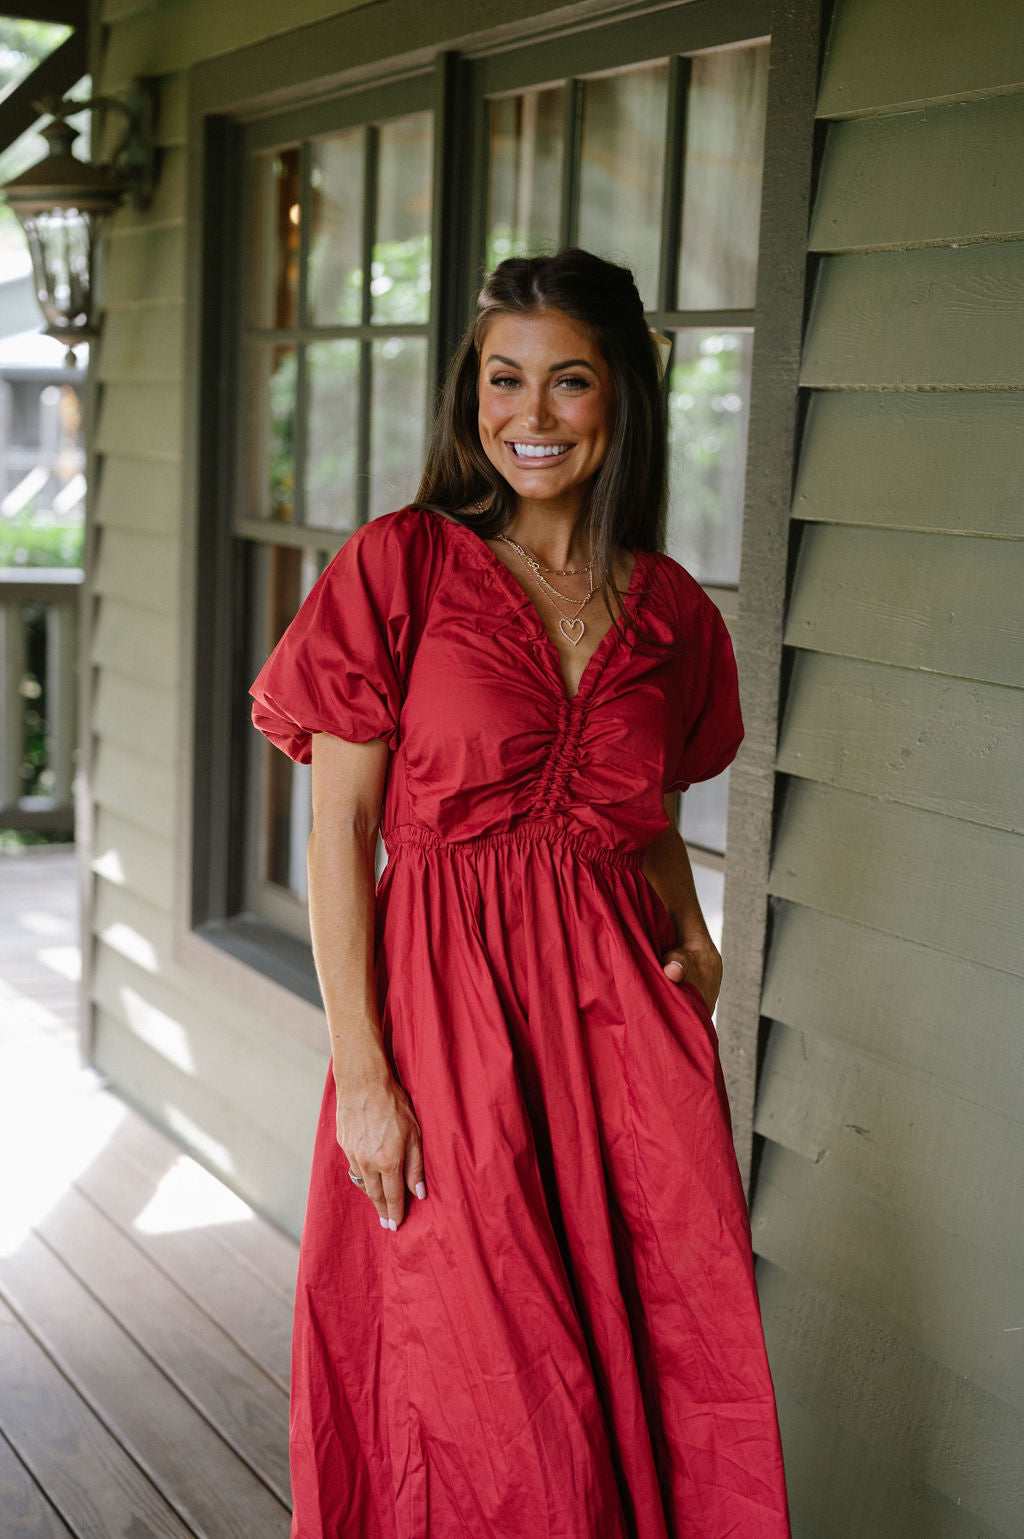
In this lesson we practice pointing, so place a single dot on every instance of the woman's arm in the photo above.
(377, 1128)
(695, 956)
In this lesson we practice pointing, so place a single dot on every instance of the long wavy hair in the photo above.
(626, 500)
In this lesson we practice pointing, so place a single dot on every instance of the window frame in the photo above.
(386, 42)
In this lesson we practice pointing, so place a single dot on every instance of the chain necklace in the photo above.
(571, 627)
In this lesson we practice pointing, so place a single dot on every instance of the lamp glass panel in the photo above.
(725, 118)
(400, 271)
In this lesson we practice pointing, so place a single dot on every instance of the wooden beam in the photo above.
(54, 75)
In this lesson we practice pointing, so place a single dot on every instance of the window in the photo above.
(335, 299)
(669, 150)
(616, 138)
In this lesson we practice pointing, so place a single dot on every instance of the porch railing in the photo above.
(38, 654)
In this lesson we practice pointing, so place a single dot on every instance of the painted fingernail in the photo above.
(421, 1190)
(392, 1224)
(383, 1223)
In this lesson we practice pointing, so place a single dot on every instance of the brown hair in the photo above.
(626, 505)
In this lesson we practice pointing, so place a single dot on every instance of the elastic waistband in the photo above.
(522, 835)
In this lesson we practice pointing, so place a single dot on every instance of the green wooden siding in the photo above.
(888, 1211)
(195, 1058)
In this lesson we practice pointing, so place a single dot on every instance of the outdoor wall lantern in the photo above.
(62, 203)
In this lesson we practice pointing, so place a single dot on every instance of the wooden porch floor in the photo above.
(144, 1310)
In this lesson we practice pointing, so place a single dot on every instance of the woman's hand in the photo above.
(699, 964)
(379, 1133)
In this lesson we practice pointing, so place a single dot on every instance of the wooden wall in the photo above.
(199, 1062)
(889, 1205)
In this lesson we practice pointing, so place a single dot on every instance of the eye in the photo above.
(574, 382)
(502, 381)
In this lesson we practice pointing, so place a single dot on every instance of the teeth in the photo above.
(539, 451)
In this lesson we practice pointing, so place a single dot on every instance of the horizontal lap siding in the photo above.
(198, 1062)
(888, 1209)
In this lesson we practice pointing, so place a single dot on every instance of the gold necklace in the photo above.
(571, 627)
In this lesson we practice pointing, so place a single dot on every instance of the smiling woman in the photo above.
(557, 1330)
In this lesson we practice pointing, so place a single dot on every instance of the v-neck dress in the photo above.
(562, 1341)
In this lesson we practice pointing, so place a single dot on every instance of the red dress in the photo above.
(562, 1341)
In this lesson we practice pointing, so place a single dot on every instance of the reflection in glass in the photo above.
(335, 254)
(722, 179)
(525, 185)
(287, 811)
(621, 170)
(400, 274)
(272, 430)
(276, 258)
(396, 421)
(331, 445)
(709, 406)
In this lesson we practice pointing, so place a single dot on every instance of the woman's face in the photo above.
(547, 405)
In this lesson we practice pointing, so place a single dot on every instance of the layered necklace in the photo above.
(571, 625)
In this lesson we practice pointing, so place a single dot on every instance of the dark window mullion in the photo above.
(572, 145)
(365, 356)
(672, 191)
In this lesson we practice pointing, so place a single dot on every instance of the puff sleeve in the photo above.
(714, 724)
(342, 664)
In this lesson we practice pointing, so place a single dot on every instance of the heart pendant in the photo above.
(572, 630)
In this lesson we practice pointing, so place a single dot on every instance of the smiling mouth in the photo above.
(538, 453)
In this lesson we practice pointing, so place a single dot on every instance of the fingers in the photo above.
(675, 965)
(414, 1169)
(386, 1188)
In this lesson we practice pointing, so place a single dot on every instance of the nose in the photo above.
(537, 413)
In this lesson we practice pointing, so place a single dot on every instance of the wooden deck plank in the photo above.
(27, 1512)
(96, 1486)
(268, 1252)
(246, 1405)
(208, 1481)
(105, 1359)
(255, 1315)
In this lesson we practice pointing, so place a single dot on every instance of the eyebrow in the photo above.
(568, 363)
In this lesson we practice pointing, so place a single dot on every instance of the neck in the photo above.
(554, 534)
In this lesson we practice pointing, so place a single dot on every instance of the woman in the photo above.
(553, 1328)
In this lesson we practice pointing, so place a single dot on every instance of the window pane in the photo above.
(272, 433)
(400, 275)
(397, 421)
(525, 188)
(335, 252)
(333, 405)
(276, 267)
(710, 887)
(621, 170)
(722, 179)
(709, 404)
(286, 814)
(704, 813)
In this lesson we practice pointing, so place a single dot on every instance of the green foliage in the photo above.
(26, 543)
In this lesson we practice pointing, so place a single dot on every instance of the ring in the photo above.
(357, 1179)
